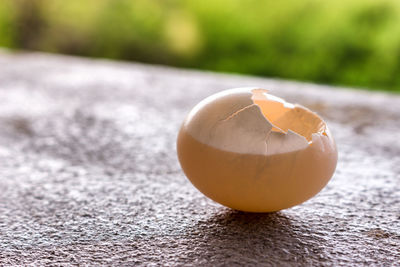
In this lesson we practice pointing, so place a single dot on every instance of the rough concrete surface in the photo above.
(89, 173)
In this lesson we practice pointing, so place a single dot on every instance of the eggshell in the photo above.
(251, 151)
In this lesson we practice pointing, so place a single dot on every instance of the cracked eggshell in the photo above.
(251, 151)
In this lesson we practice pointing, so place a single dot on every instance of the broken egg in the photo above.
(251, 151)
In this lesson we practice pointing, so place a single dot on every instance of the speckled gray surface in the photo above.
(89, 173)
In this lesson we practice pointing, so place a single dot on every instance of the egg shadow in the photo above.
(240, 238)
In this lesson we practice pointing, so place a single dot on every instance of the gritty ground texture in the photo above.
(89, 173)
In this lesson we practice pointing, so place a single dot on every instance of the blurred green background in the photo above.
(343, 42)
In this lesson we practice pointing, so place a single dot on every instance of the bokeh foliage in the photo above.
(346, 42)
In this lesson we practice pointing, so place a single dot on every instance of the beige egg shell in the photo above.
(238, 148)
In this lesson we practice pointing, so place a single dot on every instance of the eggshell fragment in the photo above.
(252, 151)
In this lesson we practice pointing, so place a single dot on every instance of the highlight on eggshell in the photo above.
(252, 151)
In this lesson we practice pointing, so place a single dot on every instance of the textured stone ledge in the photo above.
(89, 174)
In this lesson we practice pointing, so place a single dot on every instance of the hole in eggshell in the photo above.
(285, 116)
